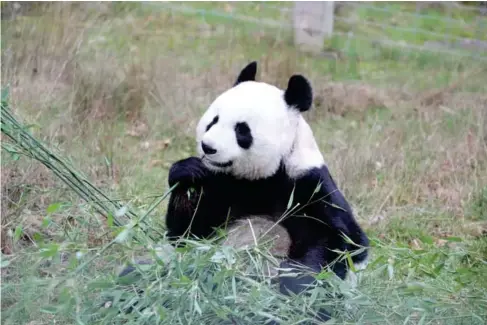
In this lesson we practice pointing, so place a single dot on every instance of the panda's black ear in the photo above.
(248, 73)
(299, 93)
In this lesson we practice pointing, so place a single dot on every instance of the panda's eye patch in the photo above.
(215, 120)
(244, 136)
(242, 128)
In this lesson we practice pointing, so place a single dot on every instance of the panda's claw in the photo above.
(187, 172)
(126, 270)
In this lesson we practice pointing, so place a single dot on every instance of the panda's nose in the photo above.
(207, 149)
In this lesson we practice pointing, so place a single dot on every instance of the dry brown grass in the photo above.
(103, 91)
(45, 67)
(342, 98)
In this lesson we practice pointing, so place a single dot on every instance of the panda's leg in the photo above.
(316, 256)
(318, 241)
(312, 261)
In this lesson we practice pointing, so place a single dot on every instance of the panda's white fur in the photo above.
(263, 108)
(305, 153)
(255, 230)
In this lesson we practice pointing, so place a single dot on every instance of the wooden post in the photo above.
(313, 22)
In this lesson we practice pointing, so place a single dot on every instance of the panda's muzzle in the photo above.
(207, 149)
(216, 164)
(220, 165)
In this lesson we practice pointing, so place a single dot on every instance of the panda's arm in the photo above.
(193, 207)
(323, 201)
(314, 239)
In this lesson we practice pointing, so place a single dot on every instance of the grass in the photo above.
(118, 89)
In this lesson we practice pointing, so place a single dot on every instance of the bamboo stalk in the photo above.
(26, 144)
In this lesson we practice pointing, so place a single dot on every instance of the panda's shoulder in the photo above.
(305, 156)
(313, 173)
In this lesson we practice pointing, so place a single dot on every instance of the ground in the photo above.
(118, 88)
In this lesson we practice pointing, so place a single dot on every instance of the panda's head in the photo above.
(249, 129)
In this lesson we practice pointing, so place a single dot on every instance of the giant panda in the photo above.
(256, 156)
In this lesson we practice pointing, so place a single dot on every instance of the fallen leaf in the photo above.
(156, 163)
(161, 145)
(138, 129)
(476, 229)
(376, 219)
(440, 242)
(415, 244)
(145, 145)
(470, 141)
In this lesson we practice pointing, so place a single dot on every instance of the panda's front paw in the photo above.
(187, 172)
